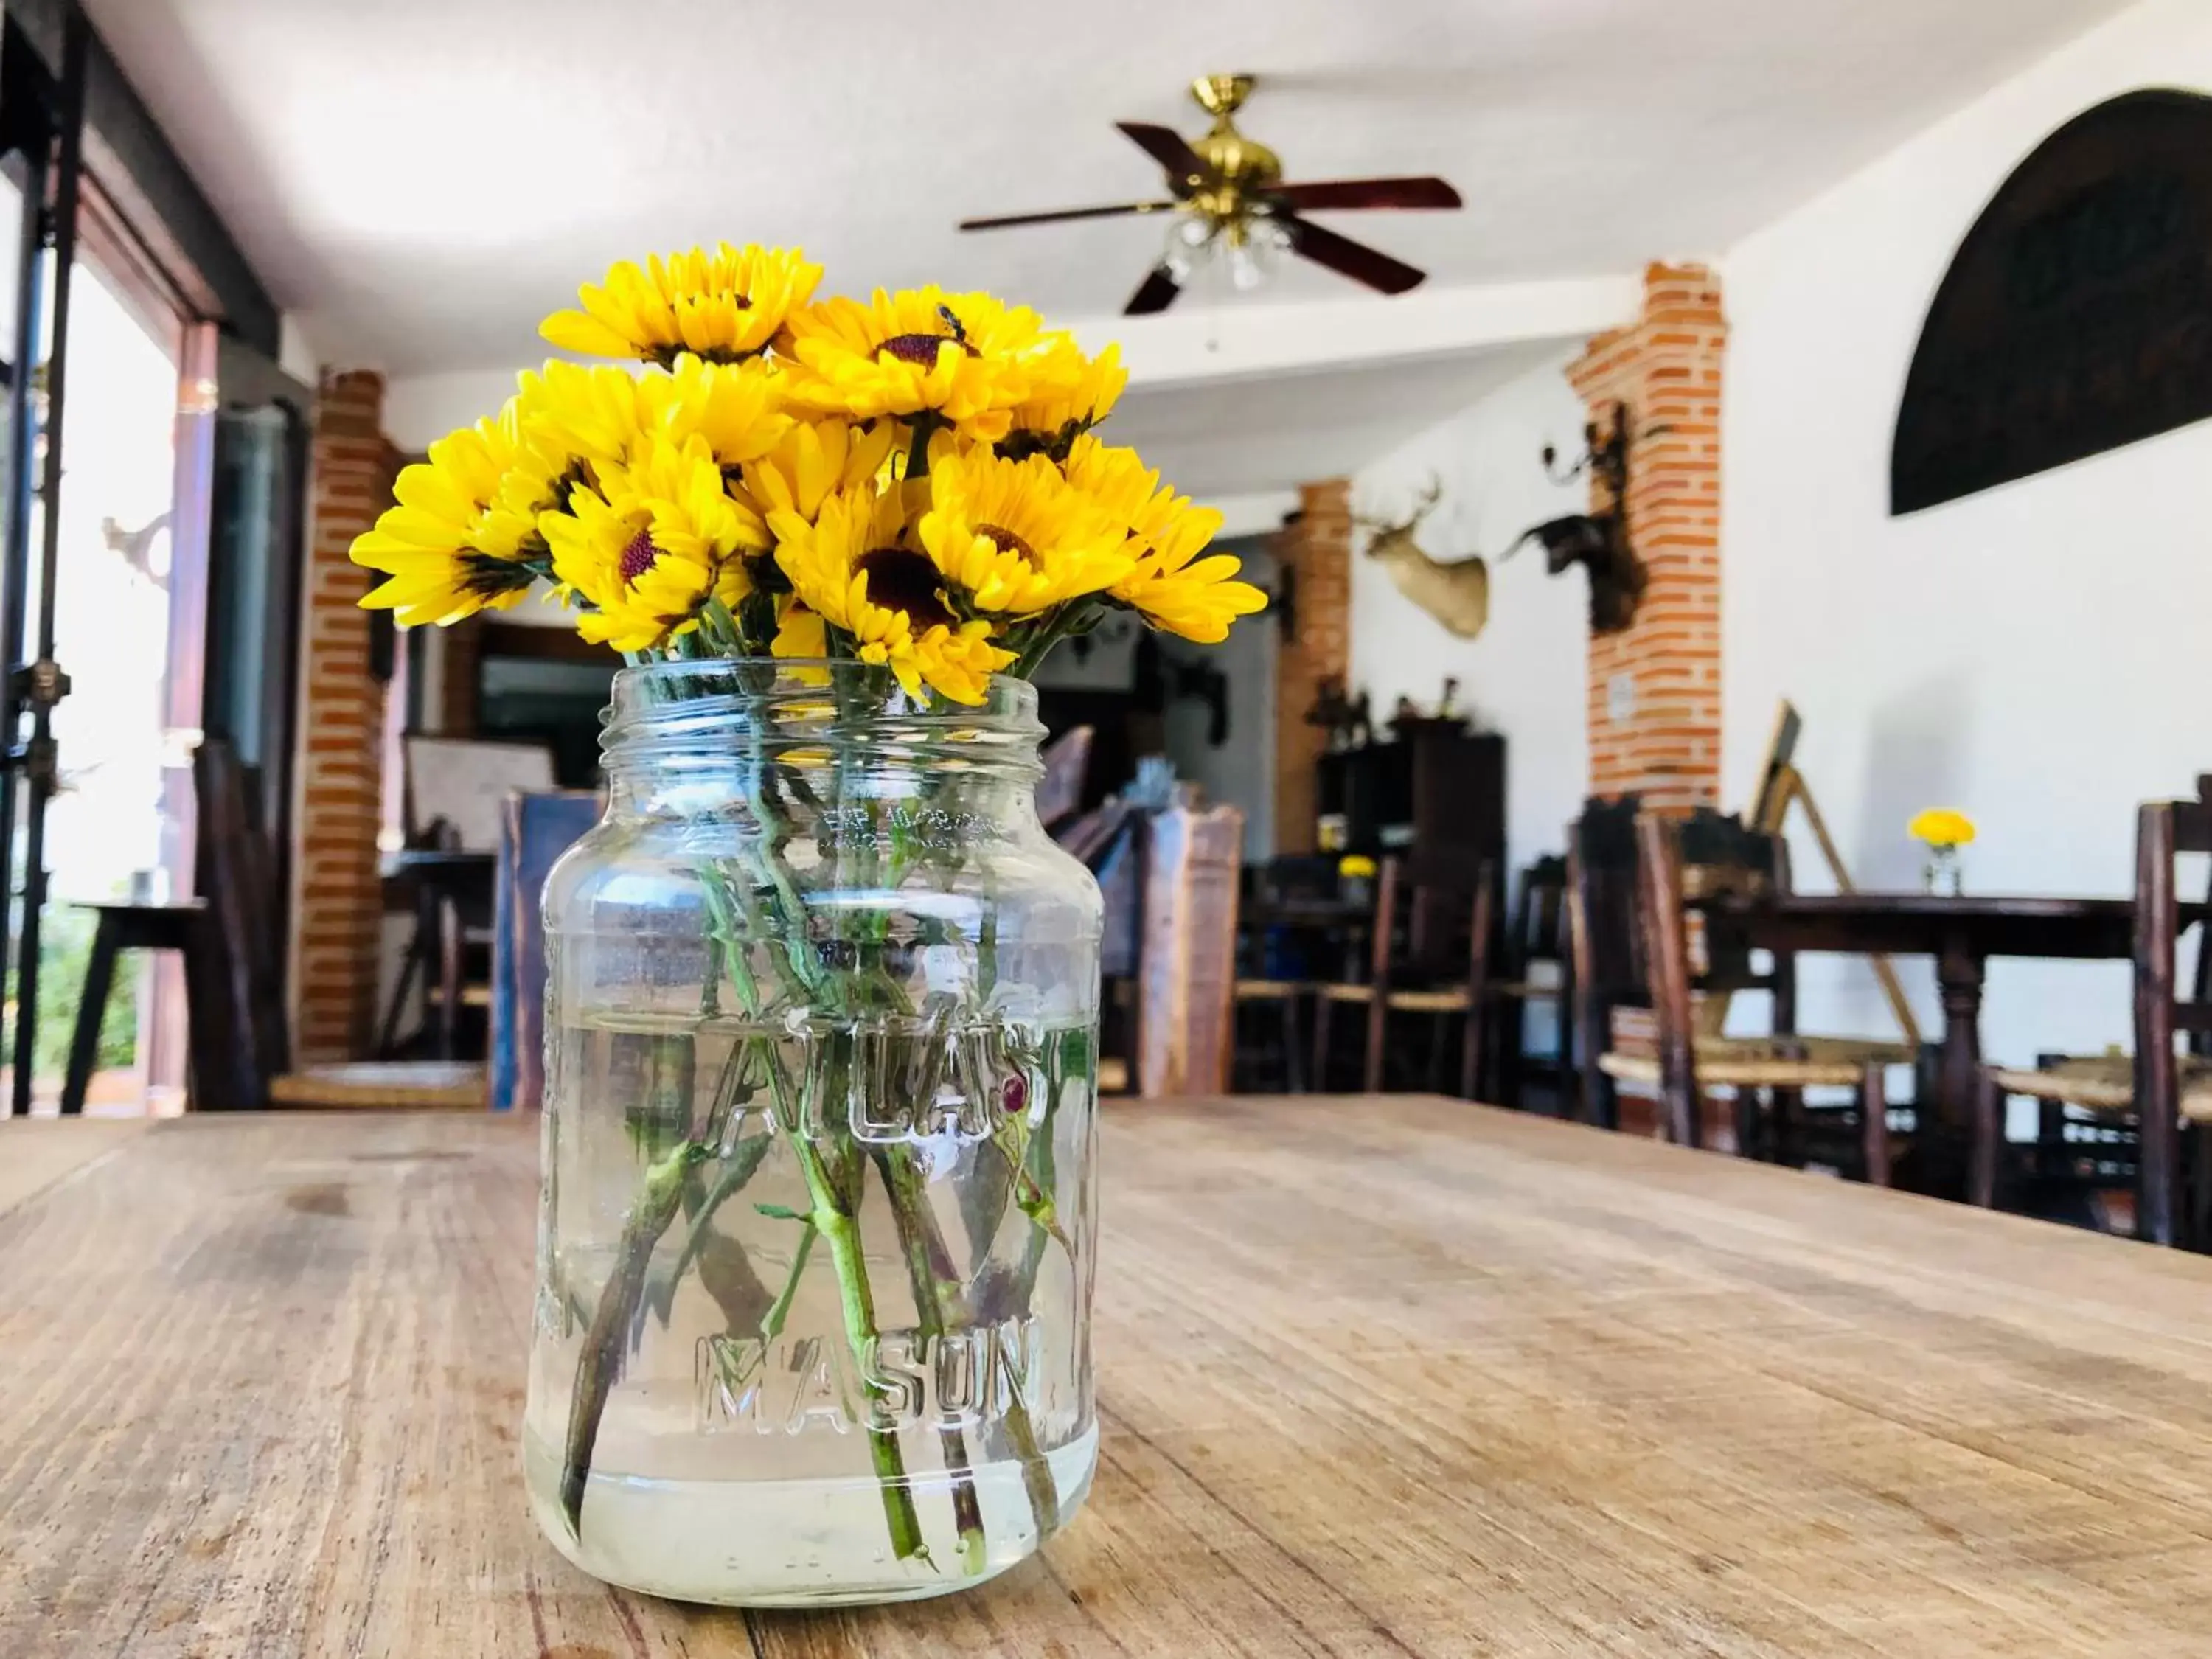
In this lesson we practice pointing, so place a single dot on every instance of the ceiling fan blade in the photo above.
(1340, 193)
(1186, 173)
(1156, 293)
(1353, 259)
(1004, 220)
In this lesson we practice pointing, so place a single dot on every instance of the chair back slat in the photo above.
(233, 866)
(1540, 917)
(1701, 953)
(1607, 942)
(2157, 1071)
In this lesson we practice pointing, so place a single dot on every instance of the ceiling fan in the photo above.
(1229, 198)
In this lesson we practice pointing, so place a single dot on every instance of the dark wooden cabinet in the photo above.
(1436, 794)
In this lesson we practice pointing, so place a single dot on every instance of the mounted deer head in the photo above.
(1456, 593)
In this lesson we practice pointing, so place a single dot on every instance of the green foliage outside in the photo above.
(64, 950)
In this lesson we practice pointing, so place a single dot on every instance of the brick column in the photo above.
(1315, 556)
(338, 904)
(1665, 370)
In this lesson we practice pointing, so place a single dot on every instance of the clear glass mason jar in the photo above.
(816, 1231)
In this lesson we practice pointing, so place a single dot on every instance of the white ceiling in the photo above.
(420, 180)
(1275, 432)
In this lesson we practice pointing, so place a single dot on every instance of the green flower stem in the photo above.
(941, 1303)
(931, 1276)
(838, 1231)
(600, 1360)
(780, 1309)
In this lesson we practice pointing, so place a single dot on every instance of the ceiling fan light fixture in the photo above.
(1190, 243)
(1228, 201)
(1246, 269)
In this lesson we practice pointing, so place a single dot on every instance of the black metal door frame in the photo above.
(32, 684)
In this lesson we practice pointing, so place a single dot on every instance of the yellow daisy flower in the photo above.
(847, 566)
(963, 356)
(1169, 585)
(594, 414)
(1071, 394)
(1014, 535)
(1941, 826)
(812, 461)
(456, 543)
(724, 306)
(737, 407)
(650, 545)
(799, 632)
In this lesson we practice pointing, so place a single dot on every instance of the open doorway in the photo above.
(106, 837)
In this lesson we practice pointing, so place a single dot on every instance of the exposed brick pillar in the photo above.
(338, 909)
(1665, 370)
(1315, 553)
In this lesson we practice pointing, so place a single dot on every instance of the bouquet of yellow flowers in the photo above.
(913, 481)
(816, 1226)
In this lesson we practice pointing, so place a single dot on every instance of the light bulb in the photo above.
(1190, 243)
(1244, 270)
(1193, 230)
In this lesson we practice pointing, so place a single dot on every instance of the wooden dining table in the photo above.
(1961, 933)
(1390, 1375)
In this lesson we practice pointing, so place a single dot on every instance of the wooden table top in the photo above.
(1377, 1377)
(1918, 923)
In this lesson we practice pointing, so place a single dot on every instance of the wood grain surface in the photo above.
(1377, 1377)
(37, 1151)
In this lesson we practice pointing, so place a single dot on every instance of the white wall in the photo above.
(1524, 674)
(2034, 655)
(1241, 771)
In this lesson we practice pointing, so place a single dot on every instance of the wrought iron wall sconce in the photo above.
(1596, 541)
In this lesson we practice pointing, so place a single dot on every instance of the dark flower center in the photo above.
(638, 557)
(902, 580)
(921, 349)
(1006, 542)
(488, 577)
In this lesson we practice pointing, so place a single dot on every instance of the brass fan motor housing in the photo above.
(1244, 166)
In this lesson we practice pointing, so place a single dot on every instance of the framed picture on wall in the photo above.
(466, 781)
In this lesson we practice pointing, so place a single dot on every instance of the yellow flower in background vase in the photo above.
(1168, 584)
(1015, 535)
(1941, 826)
(723, 306)
(964, 357)
(849, 568)
(649, 545)
(456, 543)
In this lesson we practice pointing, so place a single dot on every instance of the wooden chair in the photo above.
(237, 881)
(1111, 841)
(536, 828)
(1418, 963)
(1707, 855)
(1538, 935)
(2156, 1092)
(235, 1030)
(1605, 947)
(1265, 994)
(187, 929)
